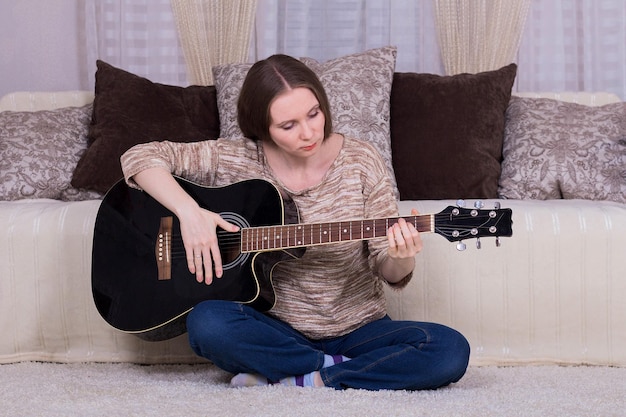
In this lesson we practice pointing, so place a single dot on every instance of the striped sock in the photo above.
(307, 380)
(330, 360)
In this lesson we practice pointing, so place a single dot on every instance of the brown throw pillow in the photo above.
(128, 110)
(447, 133)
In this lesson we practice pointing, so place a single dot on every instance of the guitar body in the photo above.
(127, 287)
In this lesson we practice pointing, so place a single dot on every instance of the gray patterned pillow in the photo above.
(553, 149)
(39, 151)
(358, 88)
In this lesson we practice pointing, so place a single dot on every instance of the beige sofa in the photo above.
(554, 292)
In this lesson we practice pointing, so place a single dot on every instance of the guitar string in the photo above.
(235, 238)
(230, 240)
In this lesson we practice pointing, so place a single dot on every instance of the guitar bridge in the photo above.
(163, 249)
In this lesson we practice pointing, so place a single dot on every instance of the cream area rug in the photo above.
(44, 389)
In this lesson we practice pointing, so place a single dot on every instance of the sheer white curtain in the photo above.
(325, 29)
(138, 36)
(566, 44)
(574, 45)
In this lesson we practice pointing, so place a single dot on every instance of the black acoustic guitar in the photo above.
(140, 280)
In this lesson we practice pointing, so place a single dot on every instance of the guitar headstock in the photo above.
(459, 223)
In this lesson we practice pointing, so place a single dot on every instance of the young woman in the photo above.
(329, 325)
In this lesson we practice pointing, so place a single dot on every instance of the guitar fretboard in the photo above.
(255, 239)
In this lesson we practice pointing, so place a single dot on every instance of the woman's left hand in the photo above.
(404, 239)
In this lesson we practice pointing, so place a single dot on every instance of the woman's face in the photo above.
(297, 122)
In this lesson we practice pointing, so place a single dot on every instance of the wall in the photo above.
(39, 46)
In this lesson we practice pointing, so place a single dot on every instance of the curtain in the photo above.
(138, 36)
(567, 45)
(574, 45)
(479, 35)
(325, 29)
(213, 32)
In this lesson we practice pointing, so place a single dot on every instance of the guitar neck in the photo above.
(255, 239)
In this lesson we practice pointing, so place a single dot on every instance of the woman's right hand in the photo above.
(198, 228)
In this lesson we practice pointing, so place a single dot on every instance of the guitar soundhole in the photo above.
(230, 243)
(228, 249)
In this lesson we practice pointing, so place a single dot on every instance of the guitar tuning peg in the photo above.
(497, 241)
(461, 246)
(479, 204)
(497, 205)
(478, 244)
(460, 202)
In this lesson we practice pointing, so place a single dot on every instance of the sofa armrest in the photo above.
(580, 97)
(41, 100)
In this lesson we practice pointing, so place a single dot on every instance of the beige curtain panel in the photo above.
(479, 35)
(213, 32)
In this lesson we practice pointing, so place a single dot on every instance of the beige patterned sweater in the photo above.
(334, 288)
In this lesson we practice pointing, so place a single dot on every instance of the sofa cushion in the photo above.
(358, 88)
(447, 133)
(553, 149)
(39, 150)
(128, 110)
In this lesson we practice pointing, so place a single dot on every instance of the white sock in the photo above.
(248, 380)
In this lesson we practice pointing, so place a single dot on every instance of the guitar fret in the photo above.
(278, 240)
(272, 238)
(366, 229)
(263, 237)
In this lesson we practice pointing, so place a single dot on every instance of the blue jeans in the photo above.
(386, 354)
